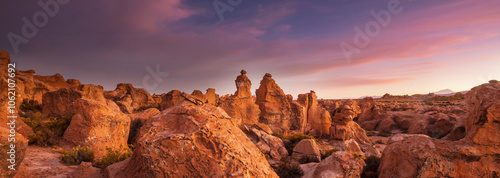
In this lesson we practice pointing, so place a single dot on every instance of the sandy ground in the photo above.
(43, 162)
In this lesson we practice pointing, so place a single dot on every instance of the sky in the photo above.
(339, 49)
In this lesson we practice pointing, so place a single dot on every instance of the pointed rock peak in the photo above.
(268, 75)
(243, 72)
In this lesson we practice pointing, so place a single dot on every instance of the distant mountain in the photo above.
(374, 97)
(445, 92)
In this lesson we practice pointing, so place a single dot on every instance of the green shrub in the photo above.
(357, 155)
(77, 155)
(47, 129)
(58, 125)
(328, 153)
(113, 156)
(288, 168)
(292, 140)
(30, 105)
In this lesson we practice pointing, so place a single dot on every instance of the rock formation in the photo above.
(7, 153)
(212, 98)
(275, 106)
(476, 155)
(192, 141)
(348, 135)
(130, 98)
(242, 105)
(308, 148)
(339, 164)
(268, 144)
(98, 126)
(318, 119)
(137, 120)
(60, 102)
(171, 99)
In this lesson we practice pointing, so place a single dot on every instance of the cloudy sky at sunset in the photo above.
(426, 46)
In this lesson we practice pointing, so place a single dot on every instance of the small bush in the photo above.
(113, 156)
(288, 168)
(77, 155)
(30, 105)
(357, 155)
(47, 129)
(292, 140)
(328, 153)
(298, 137)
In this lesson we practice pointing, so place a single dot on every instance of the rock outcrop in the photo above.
(98, 126)
(192, 141)
(242, 105)
(318, 119)
(212, 98)
(137, 120)
(275, 106)
(268, 144)
(61, 102)
(476, 155)
(339, 164)
(483, 114)
(348, 135)
(129, 98)
(11, 158)
(171, 99)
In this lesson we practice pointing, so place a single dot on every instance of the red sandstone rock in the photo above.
(5, 146)
(130, 98)
(476, 155)
(339, 164)
(307, 147)
(85, 170)
(192, 141)
(212, 98)
(241, 105)
(274, 105)
(98, 126)
(171, 99)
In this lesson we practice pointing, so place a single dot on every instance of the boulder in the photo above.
(339, 164)
(192, 141)
(483, 114)
(307, 147)
(130, 98)
(171, 99)
(268, 144)
(199, 95)
(61, 102)
(137, 120)
(422, 156)
(98, 126)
